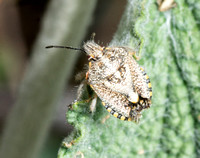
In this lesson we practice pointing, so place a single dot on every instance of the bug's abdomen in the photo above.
(115, 113)
(148, 82)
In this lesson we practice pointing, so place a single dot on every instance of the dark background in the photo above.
(19, 27)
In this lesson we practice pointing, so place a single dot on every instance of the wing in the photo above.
(115, 103)
(140, 80)
(115, 78)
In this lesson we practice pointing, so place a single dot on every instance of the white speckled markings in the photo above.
(118, 80)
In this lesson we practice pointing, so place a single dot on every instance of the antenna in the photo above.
(66, 47)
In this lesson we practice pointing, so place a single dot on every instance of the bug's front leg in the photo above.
(84, 95)
(87, 75)
(93, 104)
(133, 53)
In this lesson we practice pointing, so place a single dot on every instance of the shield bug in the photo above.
(117, 79)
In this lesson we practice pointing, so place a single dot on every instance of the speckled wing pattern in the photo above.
(115, 77)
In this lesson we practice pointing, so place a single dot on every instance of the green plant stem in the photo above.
(65, 22)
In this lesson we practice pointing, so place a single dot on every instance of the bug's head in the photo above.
(93, 50)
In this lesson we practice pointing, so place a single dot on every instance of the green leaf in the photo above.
(169, 45)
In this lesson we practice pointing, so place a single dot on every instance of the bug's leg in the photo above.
(164, 5)
(68, 144)
(133, 53)
(81, 89)
(93, 104)
(78, 102)
(79, 153)
(80, 76)
(83, 77)
(105, 118)
(87, 75)
(85, 95)
(92, 36)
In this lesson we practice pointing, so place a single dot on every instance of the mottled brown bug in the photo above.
(118, 80)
